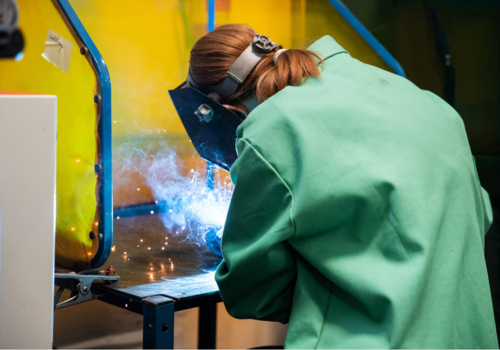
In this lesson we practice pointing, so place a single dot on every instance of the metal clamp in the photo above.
(79, 285)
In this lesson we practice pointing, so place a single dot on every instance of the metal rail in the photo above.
(368, 37)
(104, 170)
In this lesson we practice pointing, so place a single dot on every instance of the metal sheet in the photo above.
(182, 269)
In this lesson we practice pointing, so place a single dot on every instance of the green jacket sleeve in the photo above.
(257, 277)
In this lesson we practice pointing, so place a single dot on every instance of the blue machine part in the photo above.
(211, 15)
(368, 37)
(105, 134)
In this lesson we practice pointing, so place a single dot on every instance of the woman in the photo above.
(357, 215)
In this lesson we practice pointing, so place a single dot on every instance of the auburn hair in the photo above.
(214, 54)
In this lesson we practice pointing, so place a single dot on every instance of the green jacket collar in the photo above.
(326, 47)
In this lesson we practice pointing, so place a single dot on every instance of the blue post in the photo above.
(368, 37)
(211, 15)
(158, 323)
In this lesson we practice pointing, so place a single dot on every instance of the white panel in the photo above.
(27, 220)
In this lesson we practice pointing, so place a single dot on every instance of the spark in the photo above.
(118, 218)
(125, 253)
(78, 160)
(126, 305)
(151, 269)
(137, 246)
(72, 229)
(138, 189)
(162, 248)
(152, 212)
(89, 253)
(113, 248)
(96, 223)
(166, 243)
(114, 121)
(198, 209)
(149, 248)
(141, 240)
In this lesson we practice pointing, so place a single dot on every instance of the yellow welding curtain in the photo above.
(297, 24)
(76, 126)
(146, 46)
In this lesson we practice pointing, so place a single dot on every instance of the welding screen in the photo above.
(77, 183)
(146, 47)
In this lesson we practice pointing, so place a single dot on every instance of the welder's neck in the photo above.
(250, 103)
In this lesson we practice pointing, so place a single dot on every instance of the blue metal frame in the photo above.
(368, 37)
(211, 15)
(105, 134)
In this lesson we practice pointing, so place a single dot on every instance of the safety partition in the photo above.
(156, 169)
(60, 59)
(146, 47)
(159, 181)
(147, 50)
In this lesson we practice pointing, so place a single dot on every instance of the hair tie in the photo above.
(277, 55)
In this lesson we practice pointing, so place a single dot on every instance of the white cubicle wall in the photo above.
(27, 219)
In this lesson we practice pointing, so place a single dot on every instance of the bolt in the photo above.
(83, 50)
(97, 168)
(110, 271)
(97, 99)
(164, 328)
(204, 113)
(92, 235)
(84, 290)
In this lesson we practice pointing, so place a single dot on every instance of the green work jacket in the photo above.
(357, 216)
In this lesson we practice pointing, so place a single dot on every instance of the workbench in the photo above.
(156, 282)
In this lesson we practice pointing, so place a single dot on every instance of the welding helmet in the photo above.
(211, 126)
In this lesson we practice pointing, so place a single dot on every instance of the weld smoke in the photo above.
(193, 207)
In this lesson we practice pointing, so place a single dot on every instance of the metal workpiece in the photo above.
(158, 322)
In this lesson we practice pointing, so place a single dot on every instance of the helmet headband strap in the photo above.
(240, 69)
